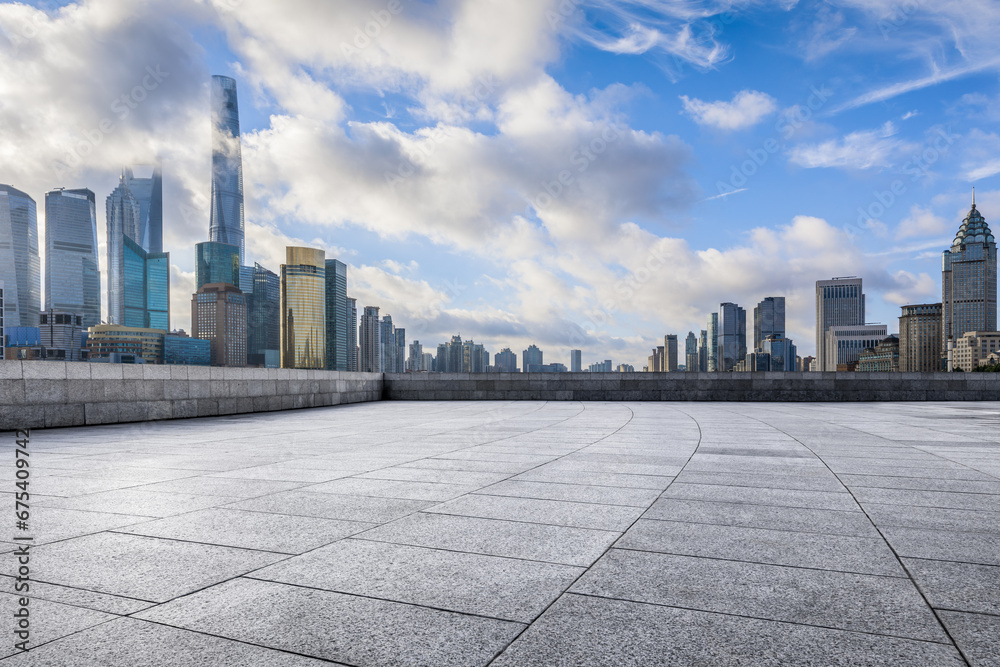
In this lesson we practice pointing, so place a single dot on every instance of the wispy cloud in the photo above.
(747, 108)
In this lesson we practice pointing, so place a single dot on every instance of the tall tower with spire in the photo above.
(226, 222)
(969, 280)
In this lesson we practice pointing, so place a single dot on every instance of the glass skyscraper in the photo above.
(226, 221)
(303, 308)
(768, 320)
(263, 325)
(148, 193)
(732, 346)
(336, 315)
(712, 342)
(217, 263)
(370, 337)
(20, 266)
(352, 334)
(72, 277)
(145, 287)
(969, 281)
(839, 302)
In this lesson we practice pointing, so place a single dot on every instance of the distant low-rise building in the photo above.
(61, 335)
(884, 358)
(546, 368)
(973, 348)
(844, 344)
(109, 341)
(179, 349)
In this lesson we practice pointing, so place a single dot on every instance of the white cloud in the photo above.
(922, 222)
(857, 150)
(747, 108)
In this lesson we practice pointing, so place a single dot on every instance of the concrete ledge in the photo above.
(42, 394)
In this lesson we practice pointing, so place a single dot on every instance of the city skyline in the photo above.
(806, 177)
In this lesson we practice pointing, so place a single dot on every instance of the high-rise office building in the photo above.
(400, 350)
(505, 361)
(575, 361)
(969, 281)
(20, 266)
(458, 356)
(768, 320)
(351, 310)
(670, 351)
(779, 352)
(138, 278)
(839, 302)
(691, 353)
(531, 357)
(3, 339)
(148, 193)
(226, 221)
(415, 357)
(218, 263)
(712, 340)
(72, 277)
(336, 315)
(844, 344)
(219, 315)
(264, 319)
(303, 308)
(370, 341)
(388, 344)
(920, 338)
(703, 351)
(732, 345)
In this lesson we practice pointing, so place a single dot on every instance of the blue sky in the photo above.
(710, 151)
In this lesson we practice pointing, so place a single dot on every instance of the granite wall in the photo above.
(36, 394)
(695, 386)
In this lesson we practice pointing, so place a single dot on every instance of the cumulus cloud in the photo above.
(922, 221)
(746, 109)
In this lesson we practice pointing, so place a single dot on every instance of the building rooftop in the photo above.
(520, 533)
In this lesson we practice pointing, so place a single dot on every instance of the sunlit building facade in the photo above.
(920, 338)
(303, 308)
(20, 266)
(840, 302)
(219, 315)
(969, 281)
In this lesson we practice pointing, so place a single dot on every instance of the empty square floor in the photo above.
(516, 533)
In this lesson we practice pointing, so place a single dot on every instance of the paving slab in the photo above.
(534, 510)
(333, 506)
(947, 545)
(580, 493)
(959, 586)
(830, 500)
(333, 626)
(977, 635)
(391, 488)
(47, 620)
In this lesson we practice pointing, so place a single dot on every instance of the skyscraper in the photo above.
(413, 360)
(505, 361)
(768, 320)
(691, 353)
(969, 280)
(703, 351)
(217, 263)
(138, 278)
(370, 342)
(219, 315)
(148, 193)
(387, 349)
(400, 335)
(3, 336)
(20, 266)
(72, 277)
(732, 347)
(303, 308)
(839, 302)
(336, 315)
(351, 310)
(575, 361)
(264, 319)
(670, 353)
(920, 337)
(712, 340)
(226, 221)
(531, 357)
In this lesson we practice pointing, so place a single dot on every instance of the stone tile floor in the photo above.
(518, 533)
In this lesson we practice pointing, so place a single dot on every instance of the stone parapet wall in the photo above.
(766, 386)
(36, 394)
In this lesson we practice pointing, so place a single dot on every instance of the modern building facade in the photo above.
(920, 338)
(336, 316)
(179, 349)
(670, 359)
(387, 336)
(691, 353)
(531, 357)
(712, 343)
(20, 265)
(732, 336)
(110, 341)
(505, 361)
(148, 193)
(303, 308)
(226, 219)
(351, 310)
(264, 319)
(217, 263)
(575, 361)
(780, 353)
(61, 335)
(458, 356)
(768, 320)
(219, 315)
(72, 276)
(370, 341)
(839, 302)
(883, 358)
(969, 281)
(703, 351)
(415, 358)
(3, 339)
(844, 344)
